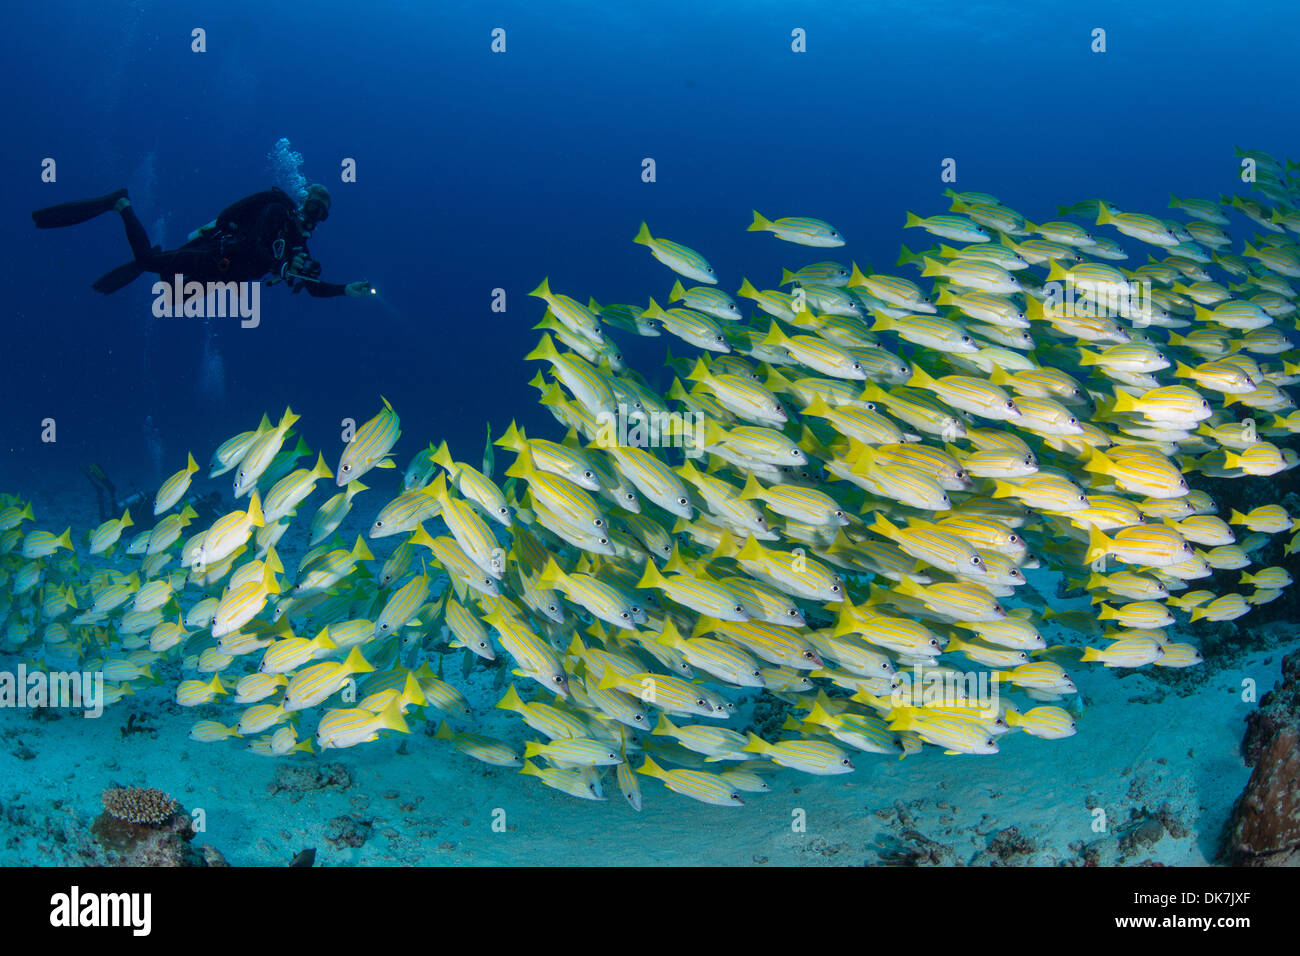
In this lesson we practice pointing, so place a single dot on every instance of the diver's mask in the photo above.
(315, 207)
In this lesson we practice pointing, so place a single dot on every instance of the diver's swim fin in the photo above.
(118, 278)
(99, 479)
(71, 213)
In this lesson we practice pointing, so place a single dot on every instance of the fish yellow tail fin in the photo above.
(651, 578)
(652, 769)
(545, 350)
(920, 378)
(1098, 544)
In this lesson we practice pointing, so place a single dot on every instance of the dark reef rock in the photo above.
(769, 717)
(297, 780)
(1145, 833)
(151, 844)
(1264, 828)
(1280, 707)
(348, 831)
(1009, 848)
(914, 849)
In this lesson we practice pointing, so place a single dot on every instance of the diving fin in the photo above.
(72, 213)
(118, 278)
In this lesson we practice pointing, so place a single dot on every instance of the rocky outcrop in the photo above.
(1264, 829)
(138, 833)
(1279, 708)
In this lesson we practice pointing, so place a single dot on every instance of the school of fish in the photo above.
(843, 487)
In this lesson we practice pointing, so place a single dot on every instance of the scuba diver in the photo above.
(207, 506)
(260, 235)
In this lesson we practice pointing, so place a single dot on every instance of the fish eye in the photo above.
(839, 514)
(345, 468)
(960, 475)
(701, 702)
(638, 718)
(599, 522)
(503, 511)
(739, 609)
(603, 541)
(836, 589)
(1074, 421)
(1010, 403)
(682, 501)
(857, 366)
(379, 524)
(1013, 539)
(629, 497)
(871, 406)
(710, 270)
(844, 762)
(965, 339)
(557, 678)
(794, 452)
(625, 616)
(588, 474)
(793, 612)
(975, 559)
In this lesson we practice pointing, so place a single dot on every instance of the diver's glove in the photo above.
(357, 289)
(304, 266)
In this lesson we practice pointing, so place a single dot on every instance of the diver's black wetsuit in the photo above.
(257, 236)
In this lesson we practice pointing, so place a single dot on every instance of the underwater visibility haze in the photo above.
(674, 434)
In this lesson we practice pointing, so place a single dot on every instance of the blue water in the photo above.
(479, 171)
